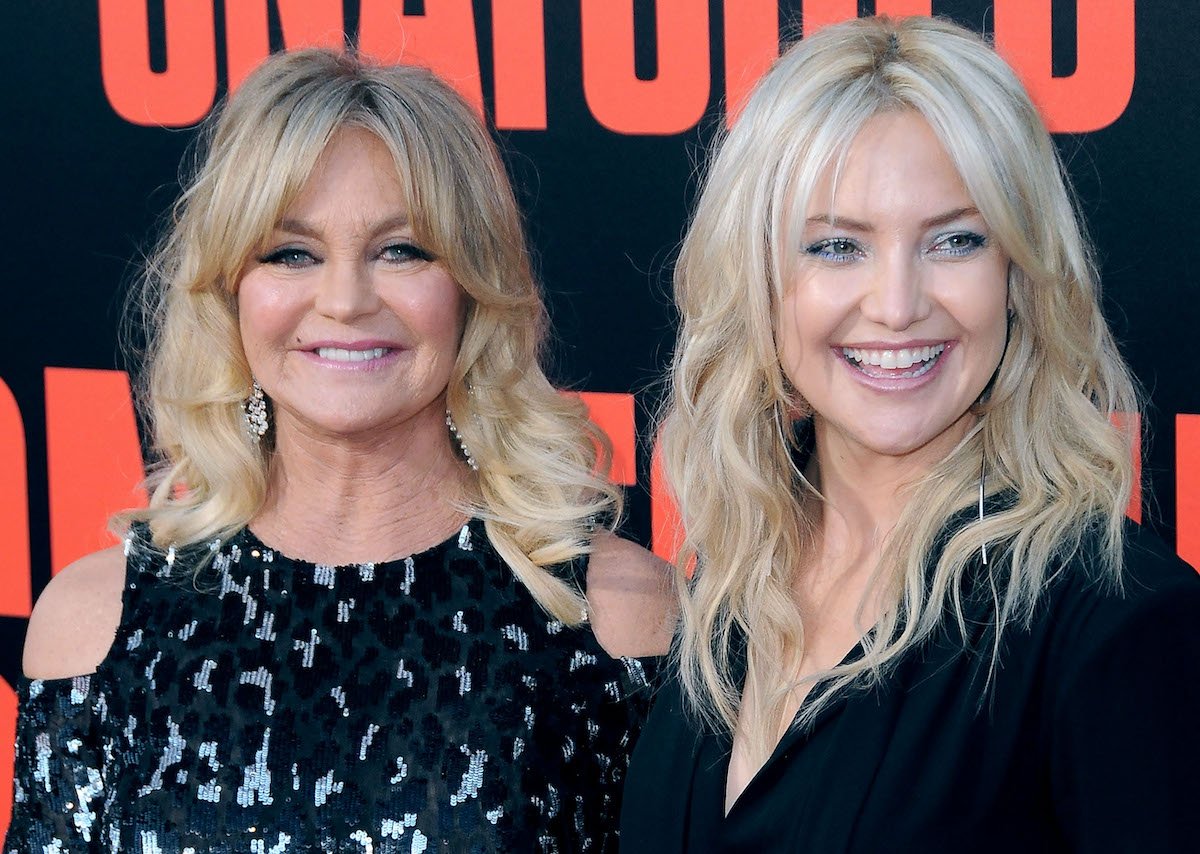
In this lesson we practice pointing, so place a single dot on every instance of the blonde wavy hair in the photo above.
(1045, 433)
(536, 450)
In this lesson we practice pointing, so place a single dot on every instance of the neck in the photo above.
(341, 500)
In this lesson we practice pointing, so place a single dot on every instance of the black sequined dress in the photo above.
(272, 705)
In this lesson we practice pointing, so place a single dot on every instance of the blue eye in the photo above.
(836, 249)
(958, 243)
(403, 252)
(289, 256)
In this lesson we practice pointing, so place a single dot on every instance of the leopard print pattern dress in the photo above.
(267, 704)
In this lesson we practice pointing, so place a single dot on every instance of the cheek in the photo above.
(266, 316)
(984, 323)
(804, 326)
(437, 311)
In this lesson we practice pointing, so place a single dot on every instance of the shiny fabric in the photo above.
(272, 705)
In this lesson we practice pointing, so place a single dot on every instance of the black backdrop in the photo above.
(86, 189)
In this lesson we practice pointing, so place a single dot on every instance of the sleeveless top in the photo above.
(273, 705)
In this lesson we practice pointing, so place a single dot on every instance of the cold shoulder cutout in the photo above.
(76, 617)
(631, 598)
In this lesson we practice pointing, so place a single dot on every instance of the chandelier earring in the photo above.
(462, 446)
(255, 409)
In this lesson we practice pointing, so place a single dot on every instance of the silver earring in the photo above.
(462, 446)
(255, 409)
(982, 546)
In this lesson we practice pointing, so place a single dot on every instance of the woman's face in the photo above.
(348, 324)
(896, 317)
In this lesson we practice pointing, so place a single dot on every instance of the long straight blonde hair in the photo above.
(1045, 433)
(536, 450)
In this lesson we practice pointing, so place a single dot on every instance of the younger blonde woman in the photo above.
(919, 621)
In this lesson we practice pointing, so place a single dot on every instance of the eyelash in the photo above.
(821, 248)
(410, 250)
(296, 257)
(974, 241)
(281, 255)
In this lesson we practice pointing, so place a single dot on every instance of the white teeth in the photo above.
(899, 359)
(338, 354)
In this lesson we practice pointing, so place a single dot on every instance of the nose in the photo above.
(896, 294)
(346, 290)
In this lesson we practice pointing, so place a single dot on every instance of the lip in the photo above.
(364, 344)
(895, 383)
(894, 345)
(309, 353)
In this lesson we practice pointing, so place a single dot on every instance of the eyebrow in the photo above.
(851, 224)
(304, 229)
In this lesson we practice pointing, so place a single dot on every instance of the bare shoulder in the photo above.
(76, 617)
(631, 597)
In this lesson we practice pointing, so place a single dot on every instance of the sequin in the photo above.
(260, 678)
(325, 787)
(365, 744)
(266, 632)
(201, 679)
(272, 706)
(256, 780)
(309, 648)
(472, 778)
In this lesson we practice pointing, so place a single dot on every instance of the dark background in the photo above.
(85, 193)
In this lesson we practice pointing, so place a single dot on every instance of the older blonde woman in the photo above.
(372, 605)
(918, 621)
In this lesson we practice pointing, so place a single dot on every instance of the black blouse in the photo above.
(272, 705)
(1086, 740)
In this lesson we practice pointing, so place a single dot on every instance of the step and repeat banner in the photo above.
(604, 109)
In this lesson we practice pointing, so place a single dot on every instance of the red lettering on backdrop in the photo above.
(519, 48)
(1099, 90)
(93, 459)
(305, 23)
(8, 734)
(443, 40)
(16, 593)
(751, 45)
(821, 13)
(613, 414)
(666, 527)
(676, 98)
(1187, 488)
(180, 95)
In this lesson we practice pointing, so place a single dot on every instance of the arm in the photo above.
(59, 762)
(76, 617)
(630, 598)
(1126, 755)
(58, 790)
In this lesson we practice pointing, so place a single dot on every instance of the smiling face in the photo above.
(896, 316)
(347, 323)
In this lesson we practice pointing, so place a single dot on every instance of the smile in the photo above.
(338, 354)
(902, 363)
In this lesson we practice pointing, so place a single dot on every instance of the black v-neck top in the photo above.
(1087, 740)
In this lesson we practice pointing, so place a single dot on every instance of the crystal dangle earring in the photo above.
(462, 446)
(255, 409)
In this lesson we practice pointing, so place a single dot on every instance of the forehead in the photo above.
(894, 168)
(354, 175)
